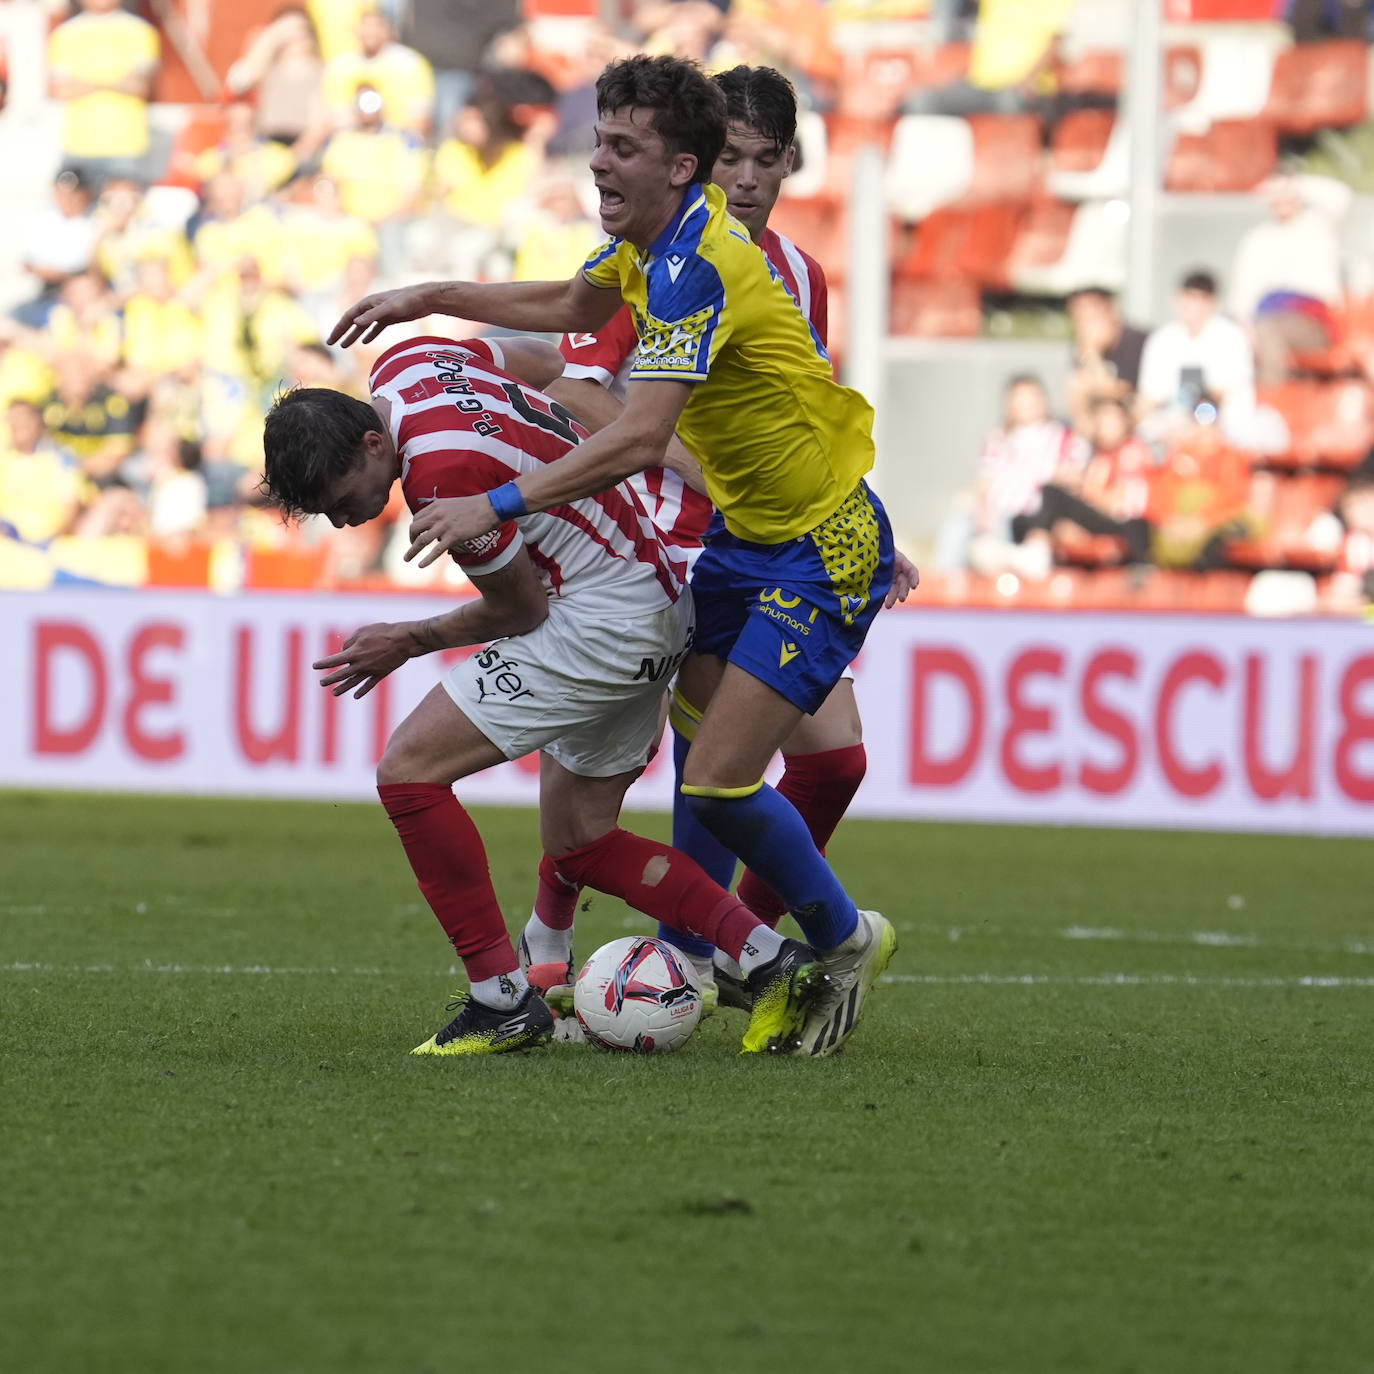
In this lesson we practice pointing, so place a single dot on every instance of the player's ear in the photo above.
(684, 168)
(789, 159)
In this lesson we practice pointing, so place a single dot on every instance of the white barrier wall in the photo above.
(1126, 719)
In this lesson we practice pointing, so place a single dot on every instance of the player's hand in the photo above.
(367, 656)
(365, 319)
(447, 522)
(905, 579)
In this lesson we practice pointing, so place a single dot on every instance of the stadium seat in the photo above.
(935, 309)
(930, 164)
(1182, 74)
(205, 128)
(1232, 155)
(1008, 158)
(1083, 550)
(1080, 140)
(286, 569)
(1298, 500)
(1319, 86)
(1063, 247)
(935, 248)
(1234, 80)
(1091, 157)
(1096, 72)
(1330, 423)
(985, 252)
(178, 563)
(877, 80)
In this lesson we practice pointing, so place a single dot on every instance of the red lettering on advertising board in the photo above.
(284, 741)
(74, 737)
(1026, 719)
(1109, 663)
(1357, 729)
(1191, 667)
(146, 690)
(928, 664)
(1295, 779)
(329, 712)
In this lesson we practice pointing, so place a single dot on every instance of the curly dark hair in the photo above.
(688, 110)
(763, 99)
(313, 435)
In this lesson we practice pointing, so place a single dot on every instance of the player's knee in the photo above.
(849, 765)
(403, 762)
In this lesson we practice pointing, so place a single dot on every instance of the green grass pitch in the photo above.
(1113, 1114)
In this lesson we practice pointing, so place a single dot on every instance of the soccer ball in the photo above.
(639, 995)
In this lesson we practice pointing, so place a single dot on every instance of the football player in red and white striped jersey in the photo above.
(591, 617)
(824, 758)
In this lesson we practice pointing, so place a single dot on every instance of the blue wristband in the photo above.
(507, 502)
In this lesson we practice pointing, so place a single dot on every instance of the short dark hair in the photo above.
(1100, 293)
(688, 110)
(762, 98)
(1199, 280)
(313, 435)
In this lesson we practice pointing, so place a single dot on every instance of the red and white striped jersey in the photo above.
(607, 356)
(462, 426)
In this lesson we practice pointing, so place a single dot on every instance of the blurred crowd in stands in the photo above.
(174, 292)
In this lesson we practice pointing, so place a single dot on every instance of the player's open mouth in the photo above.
(612, 202)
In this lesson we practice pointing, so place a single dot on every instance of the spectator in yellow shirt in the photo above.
(40, 482)
(231, 228)
(102, 62)
(319, 240)
(129, 236)
(162, 334)
(380, 173)
(400, 75)
(261, 164)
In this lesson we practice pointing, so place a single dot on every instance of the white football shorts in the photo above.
(585, 691)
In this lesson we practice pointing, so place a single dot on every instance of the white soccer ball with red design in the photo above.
(639, 995)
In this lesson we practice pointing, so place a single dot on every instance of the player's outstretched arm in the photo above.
(536, 362)
(539, 307)
(636, 440)
(596, 408)
(512, 602)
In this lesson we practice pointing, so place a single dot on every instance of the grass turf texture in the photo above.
(214, 1170)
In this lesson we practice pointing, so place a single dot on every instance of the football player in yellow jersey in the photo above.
(727, 360)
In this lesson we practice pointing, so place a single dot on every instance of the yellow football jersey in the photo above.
(781, 443)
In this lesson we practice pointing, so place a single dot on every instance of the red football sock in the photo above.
(556, 901)
(450, 864)
(663, 883)
(820, 786)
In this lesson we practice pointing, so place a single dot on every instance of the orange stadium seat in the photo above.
(1080, 140)
(1320, 86)
(1044, 235)
(936, 247)
(1008, 158)
(992, 234)
(1330, 423)
(819, 225)
(1093, 73)
(1233, 155)
(178, 563)
(1298, 499)
(1084, 550)
(286, 569)
(935, 309)
(205, 127)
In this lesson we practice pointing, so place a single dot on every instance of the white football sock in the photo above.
(544, 944)
(502, 992)
(762, 945)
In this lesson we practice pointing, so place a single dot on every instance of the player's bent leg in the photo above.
(433, 747)
(654, 878)
(824, 764)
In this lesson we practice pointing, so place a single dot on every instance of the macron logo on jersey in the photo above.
(675, 266)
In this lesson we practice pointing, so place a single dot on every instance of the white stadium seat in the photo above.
(929, 165)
